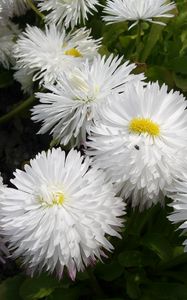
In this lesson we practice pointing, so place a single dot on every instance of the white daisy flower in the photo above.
(11, 8)
(60, 214)
(136, 10)
(71, 106)
(178, 192)
(142, 142)
(8, 33)
(67, 12)
(51, 52)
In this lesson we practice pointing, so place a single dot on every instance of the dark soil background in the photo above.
(19, 143)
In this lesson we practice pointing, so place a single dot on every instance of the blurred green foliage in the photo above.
(163, 49)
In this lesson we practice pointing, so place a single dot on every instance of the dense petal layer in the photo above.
(141, 142)
(49, 53)
(135, 10)
(71, 106)
(68, 13)
(60, 214)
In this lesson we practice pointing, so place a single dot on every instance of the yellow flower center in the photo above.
(58, 199)
(141, 125)
(73, 52)
(52, 199)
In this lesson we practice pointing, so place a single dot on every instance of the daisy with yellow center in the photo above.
(141, 141)
(60, 213)
(56, 198)
(46, 54)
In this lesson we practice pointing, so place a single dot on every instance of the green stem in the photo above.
(35, 9)
(22, 106)
(153, 38)
(138, 39)
(94, 283)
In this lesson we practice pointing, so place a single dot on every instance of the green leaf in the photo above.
(125, 40)
(167, 291)
(180, 82)
(180, 260)
(111, 34)
(82, 276)
(131, 258)
(109, 272)
(104, 51)
(178, 64)
(38, 287)
(161, 74)
(152, 39)
(132, 287)
(176, 275)
(9, 289)
(159, 245)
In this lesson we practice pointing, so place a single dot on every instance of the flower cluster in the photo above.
(64, 206)
(78, 96)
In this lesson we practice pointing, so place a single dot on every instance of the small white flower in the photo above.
(142, 141)
(60, 214)
(13, 7)
(178, 192)
(135, 10)
(71, 106)
(67, 12)
(52, 52)
(8, 33)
